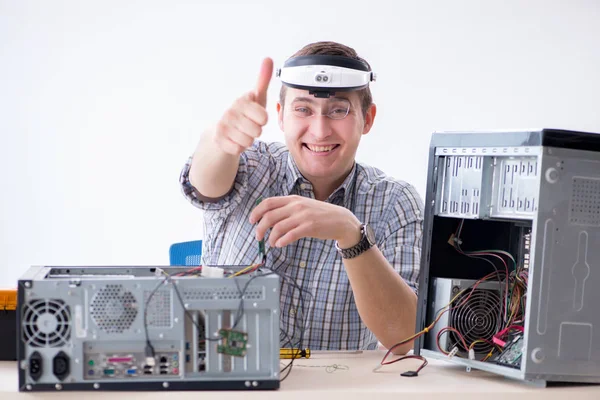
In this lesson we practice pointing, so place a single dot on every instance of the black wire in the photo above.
(301, 327)
(148, 343)
(189, 315)
(460, 250)
(239, 313)
(287, 280)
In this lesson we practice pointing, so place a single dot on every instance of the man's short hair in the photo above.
(333, 49)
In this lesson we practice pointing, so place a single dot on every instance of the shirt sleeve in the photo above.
(403, 239)
(253, 172)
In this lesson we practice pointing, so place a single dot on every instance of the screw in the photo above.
(58, 386)
(247, 383)
(165, 384)
(27, 284)
(28, 387)
(254, 383)
(96, 386)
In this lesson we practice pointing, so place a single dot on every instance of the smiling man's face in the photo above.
(323, 134)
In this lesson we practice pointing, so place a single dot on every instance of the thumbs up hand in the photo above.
(243, 121)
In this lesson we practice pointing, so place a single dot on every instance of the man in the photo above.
(319, 209)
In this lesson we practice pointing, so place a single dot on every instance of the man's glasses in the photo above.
(337, 109)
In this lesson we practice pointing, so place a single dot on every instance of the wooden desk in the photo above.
(309, 380)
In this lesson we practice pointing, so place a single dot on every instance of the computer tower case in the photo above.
(147, 328)
(510, 266)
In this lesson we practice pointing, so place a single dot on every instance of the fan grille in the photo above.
(477, 318)
(46, 323)
(114, 309)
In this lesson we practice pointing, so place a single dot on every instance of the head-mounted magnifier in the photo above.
(324, 75)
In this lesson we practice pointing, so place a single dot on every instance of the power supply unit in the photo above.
(510, 261)
(147, 328)
(477, 317)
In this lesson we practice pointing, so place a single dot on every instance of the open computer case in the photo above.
(510, 270)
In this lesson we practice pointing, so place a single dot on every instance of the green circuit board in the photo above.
(234, 343)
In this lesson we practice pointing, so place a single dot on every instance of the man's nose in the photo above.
(320, 126)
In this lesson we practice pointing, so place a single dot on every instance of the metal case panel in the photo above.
(563, 339)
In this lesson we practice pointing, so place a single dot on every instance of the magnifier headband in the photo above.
(324, 75)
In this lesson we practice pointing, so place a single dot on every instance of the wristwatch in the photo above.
(366, 241)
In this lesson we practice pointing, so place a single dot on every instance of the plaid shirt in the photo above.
(327, 312)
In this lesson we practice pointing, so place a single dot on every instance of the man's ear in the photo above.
(280, 115)
(370, 118)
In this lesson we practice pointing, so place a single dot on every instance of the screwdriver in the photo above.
(294, 353)
(261, 244)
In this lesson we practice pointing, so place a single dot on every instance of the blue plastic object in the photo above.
(186, 253)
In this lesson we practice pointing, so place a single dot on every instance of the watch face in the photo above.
(370, 234)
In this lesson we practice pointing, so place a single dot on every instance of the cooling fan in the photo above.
(113, 309)
(46, 323)
(476, 315)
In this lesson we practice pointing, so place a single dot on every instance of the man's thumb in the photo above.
(264, 78)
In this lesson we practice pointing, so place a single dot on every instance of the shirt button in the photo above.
(304, 186)
(302, 264)
(292, 311)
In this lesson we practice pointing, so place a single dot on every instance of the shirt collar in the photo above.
(347, 187)
(294, 176)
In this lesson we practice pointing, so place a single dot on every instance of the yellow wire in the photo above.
(240, 272)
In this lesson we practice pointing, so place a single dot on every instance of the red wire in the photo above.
(423, 365)
(472, 290)
(457, 238)
(446, 329)
(483, 253)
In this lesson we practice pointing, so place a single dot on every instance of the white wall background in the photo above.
(101, 102)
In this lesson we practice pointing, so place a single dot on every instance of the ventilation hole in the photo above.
(113, 309)
(158, 309)
(585, 206)
(222, 294)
